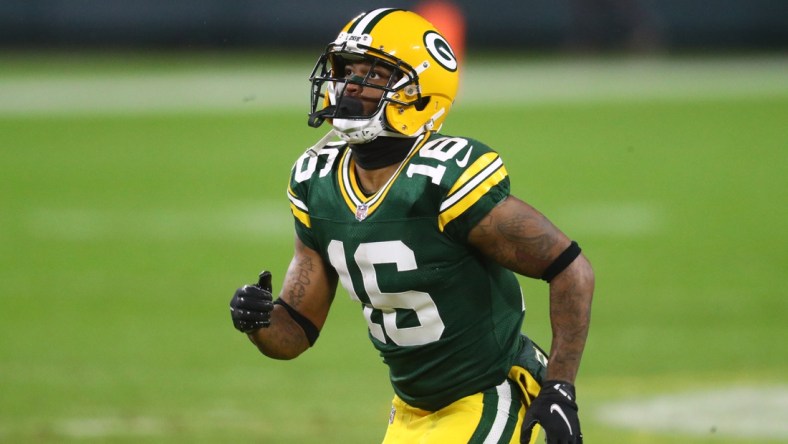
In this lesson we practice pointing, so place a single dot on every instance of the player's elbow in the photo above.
(578, 276)
(583, 276)
(280, 341)
(585, 272)
(280, 353)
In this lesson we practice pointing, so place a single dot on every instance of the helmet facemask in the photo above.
(345, 112)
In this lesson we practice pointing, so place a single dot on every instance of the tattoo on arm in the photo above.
(524, 243)
(298, 280)
(529, 234)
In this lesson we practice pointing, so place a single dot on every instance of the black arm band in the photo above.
(309, 328)
(561, 262)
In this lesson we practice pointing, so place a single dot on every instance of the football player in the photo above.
(421, 230)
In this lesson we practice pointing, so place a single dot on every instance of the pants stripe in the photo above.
(502, 415)
(499, 416)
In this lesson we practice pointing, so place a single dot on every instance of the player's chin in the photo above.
(369, 106)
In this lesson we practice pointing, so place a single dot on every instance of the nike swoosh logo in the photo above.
(556, 408)
(464, 161)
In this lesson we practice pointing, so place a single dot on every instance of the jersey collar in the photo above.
(357, 202)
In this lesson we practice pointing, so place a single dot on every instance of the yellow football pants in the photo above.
(494, 416)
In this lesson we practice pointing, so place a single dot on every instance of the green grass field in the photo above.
(138, 192)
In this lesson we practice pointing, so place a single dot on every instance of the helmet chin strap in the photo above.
(362, 130)
(430, 125)
(315, 149)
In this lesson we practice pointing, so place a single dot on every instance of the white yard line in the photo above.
(138, 93)
(614, 219)
(518, 82)
(254, 220)
(735, 411)
(106, 427)
(625, 80)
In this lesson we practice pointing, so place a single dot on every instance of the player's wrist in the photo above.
(559, 382)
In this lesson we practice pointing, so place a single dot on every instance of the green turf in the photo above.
(123, 237)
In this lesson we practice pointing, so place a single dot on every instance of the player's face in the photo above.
(376, 75)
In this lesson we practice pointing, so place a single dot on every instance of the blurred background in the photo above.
(145, 148)
(577, 25)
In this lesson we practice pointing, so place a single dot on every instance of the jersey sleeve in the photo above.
(298, 193)
(472, 189)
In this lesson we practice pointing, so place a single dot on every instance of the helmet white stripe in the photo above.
(362, 24)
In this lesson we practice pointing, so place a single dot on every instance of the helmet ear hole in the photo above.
(422, 103)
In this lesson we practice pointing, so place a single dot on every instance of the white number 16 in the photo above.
(366, 256)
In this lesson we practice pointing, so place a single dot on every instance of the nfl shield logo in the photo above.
(361, 212)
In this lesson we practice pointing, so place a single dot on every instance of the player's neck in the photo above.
(371, 181)
(378, 160)
(382, 152)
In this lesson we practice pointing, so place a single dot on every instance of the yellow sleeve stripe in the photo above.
(480, 164)
(453, 208)
(299, 209)
(300, 215)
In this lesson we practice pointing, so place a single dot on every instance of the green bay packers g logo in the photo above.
(440, 50)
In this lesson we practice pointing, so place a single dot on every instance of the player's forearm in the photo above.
(308, 291)
(571, 293)
(283, 339)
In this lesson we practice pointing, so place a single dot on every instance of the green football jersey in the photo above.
(445, 319)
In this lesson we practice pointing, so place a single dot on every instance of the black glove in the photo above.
(251, 305)
(556, 411)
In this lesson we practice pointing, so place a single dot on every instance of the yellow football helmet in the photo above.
(416, 98)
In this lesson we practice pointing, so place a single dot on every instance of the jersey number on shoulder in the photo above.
(306, 164)
(441, 149)
(366, 256)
